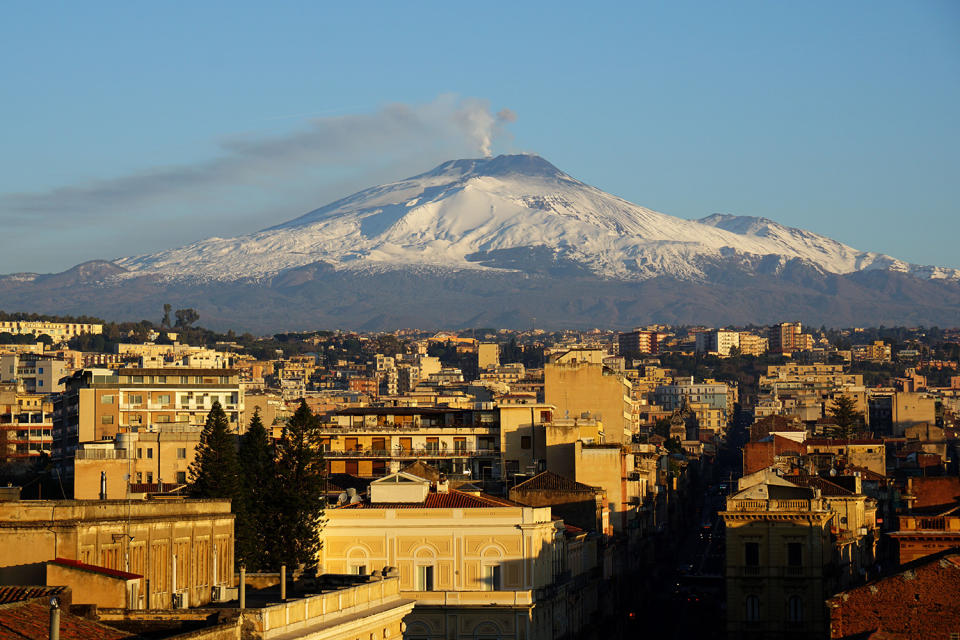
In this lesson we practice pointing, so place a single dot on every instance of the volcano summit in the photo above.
(496, 241)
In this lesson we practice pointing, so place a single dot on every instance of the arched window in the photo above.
(795, 609)
(490, 573)
(424, 563)
(358, 562)
(752, 609)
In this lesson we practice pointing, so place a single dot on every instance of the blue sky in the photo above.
(134, 127)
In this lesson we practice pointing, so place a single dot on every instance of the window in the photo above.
(460, 445)
(149, 452)
(424, 578)
(182, 453)
(524, 442)
(433, 444)
(490, 577)
(139, 452)
(752, 609)
(135, 398)
(139, 476)
(164, 418)
(751, 554)
(164, 398)
(358, 569)
(136, 379)
(106, 399)
(181, 477)
(149, 477)
(794, 554)
(106, 419)
(795, 609)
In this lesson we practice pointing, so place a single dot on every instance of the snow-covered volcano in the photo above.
(505, 213)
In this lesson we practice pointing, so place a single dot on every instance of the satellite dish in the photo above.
(342, 498)
(355, 499)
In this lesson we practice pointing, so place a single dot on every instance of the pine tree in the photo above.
(215, 472)
(299, 493)
(846, 417)
(256, 519)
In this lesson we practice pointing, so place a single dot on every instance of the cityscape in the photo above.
(448, 321)
(166, 481)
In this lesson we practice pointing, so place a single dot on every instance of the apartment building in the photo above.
(35, 373)
(879, 351)
(577, 382)
(684, 391)
(97, 404)
(59, 331)
(718, 342)
(788, 337)
(477, 566)
(26, 424)
(374, 441)
(135, 463)
(638, 341)
(753, 345)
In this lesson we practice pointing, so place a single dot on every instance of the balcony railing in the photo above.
(413, 453)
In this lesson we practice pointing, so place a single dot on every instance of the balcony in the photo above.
(413, 453)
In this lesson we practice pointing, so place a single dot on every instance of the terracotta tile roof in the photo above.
(113, 573)
(31, 621)
(550, 481)
(18, 594)
(450, 500)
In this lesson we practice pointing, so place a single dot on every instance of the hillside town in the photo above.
(739, 482)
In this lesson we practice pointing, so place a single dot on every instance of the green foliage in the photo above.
(186, 317)
(215, 472)
(299, 493)
(848, 420)
(662, 427)
(255, 524)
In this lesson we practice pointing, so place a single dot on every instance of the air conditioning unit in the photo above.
(180, 600)
(225, 594)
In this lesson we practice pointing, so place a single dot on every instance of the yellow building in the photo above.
(59, 331)
(182, 548)
(477, 566)
(577, 382)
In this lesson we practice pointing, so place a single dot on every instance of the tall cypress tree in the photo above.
(845, 414)
(299, 491)
(215, 472)
(256, 520)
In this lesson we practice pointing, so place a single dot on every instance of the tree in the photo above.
(215, 472)
(299, 492)
(256, 519)
(848, 420)
(167, 308)
(186, 317)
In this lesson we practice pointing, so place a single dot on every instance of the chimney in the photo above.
(54, 618)
(443, 486)
(103, 485)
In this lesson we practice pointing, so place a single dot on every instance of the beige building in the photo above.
(374, 441)
(26, 424)
(183, 549)
(135, 463)
(59, 331)
(488, 356)
(477, 566)
(577, 382)
(778, 557)
(97, 404)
